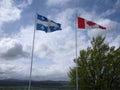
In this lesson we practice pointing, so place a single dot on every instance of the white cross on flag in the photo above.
(85, 24)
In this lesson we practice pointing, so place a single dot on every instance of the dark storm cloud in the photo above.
(14, 52)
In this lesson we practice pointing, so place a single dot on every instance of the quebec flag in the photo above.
(44, 24)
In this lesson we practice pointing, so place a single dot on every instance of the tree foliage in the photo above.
(98, 67)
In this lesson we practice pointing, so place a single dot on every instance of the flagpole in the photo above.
(76, 52)
(32, 54)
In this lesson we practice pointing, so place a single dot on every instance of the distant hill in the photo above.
(13, 82)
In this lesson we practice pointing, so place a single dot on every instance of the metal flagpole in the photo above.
(76, 52)
(32, 54)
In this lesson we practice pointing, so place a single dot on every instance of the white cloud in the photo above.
(115, 40)
(17, 69)
(30, 2)
(10, 49)
(51, 72)
(54, 52)
(57, 2)
(13, 55)
(6, 71)
(90, 15)
(24, 4)
(8, 11)
(108, 12)
(25, 35)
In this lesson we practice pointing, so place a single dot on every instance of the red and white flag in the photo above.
(85, 24)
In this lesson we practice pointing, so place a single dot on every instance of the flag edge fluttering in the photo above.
(48, 27)
(82, 24)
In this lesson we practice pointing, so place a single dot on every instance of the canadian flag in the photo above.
(85, 24)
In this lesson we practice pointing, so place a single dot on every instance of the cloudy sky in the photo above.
(53, 52)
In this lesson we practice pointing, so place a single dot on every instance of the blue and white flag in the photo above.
(44, 24)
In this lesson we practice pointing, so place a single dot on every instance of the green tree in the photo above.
(98, 67)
